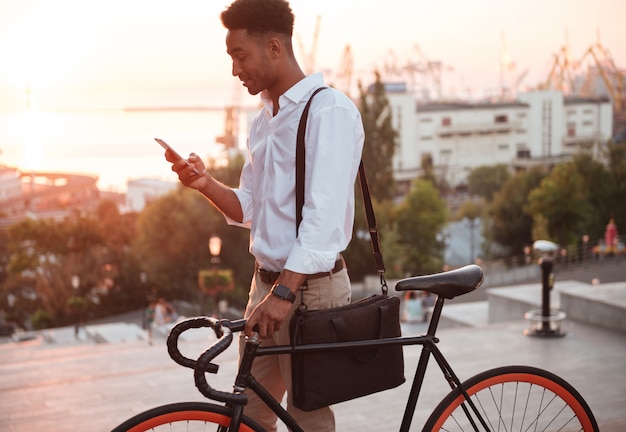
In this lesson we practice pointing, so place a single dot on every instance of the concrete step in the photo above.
(602, 305)
(471, 314)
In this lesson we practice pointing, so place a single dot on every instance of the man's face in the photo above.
(251, 63)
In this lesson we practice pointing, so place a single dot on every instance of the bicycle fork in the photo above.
(245, 380)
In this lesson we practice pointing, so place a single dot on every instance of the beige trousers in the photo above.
(274, 372)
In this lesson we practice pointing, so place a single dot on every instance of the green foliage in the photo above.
(229, 173)
(562, 199)
(471, 209)
(235, 240)
(172, 241)
(428, 173)
(419, 218)
(599, 188)
(510, 226)
(380, 140)
(378, 150)
(359, 255)
(172, 245)
(485, 181)
(616, 156)
(43, 256)
(42, 319)
(573, 199)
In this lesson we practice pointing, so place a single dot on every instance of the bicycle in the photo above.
(508, 398)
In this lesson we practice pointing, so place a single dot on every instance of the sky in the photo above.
(86, 54)
(82, 56)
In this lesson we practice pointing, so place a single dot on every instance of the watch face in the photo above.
(283, 292)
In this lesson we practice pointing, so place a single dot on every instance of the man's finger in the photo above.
(249, 327)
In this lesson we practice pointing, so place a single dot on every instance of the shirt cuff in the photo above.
(305, 261)
(245, 209)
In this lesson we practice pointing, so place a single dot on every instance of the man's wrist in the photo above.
(283, 293)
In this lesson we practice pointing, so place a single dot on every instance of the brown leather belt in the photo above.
(270, 277)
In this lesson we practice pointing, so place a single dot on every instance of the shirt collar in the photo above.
(298, 91)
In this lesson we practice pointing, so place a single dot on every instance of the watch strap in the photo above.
(283, 293)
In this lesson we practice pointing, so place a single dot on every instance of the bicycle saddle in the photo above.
(448, 284)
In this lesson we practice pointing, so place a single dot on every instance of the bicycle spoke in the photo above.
(508, 404)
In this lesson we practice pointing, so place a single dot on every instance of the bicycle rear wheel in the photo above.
(187, 417)
(514, 398)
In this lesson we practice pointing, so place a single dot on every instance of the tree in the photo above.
(358, 255)
(509, 226)
(599, 188)
(236, 240)
(562, 199)
(378, 150)
(380, 140)
(420, 217)
(172, 244)
(173, 234)
(616, 156)
(485, 181)
(120, 285)
(44, 257)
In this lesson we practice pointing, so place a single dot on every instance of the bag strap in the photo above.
(300, 159)
(367, 200)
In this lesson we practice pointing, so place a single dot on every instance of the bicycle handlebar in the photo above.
(224, 331)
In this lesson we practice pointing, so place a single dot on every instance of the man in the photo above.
(306, 266)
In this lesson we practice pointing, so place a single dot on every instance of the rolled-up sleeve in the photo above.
(244, 195)
(334, 143)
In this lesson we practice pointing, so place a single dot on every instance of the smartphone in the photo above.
(166, 146)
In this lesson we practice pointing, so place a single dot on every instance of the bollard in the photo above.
(545, 322)
(546, 286)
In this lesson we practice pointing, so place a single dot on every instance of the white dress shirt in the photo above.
(334, 142)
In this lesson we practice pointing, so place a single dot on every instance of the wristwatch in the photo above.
(283, 293)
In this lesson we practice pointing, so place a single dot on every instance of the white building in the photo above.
(142, 191)
(10, 184)
(539, 128)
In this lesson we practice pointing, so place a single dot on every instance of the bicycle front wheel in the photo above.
(514, 398)
(187, 417)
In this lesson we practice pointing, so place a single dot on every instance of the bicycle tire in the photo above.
(515, 398)
(185, 416)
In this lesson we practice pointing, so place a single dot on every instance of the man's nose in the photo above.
(236, 70)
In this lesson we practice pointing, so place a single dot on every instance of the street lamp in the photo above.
(215, 247)
(75, 281)
(545, 322)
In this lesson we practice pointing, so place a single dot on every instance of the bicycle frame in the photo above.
(547, 402)
(253, 349)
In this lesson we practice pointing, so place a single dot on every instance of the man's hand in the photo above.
(269, 315)
(191, 172)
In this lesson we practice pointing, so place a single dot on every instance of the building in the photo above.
(10, 187)
(39, 192)
(560, 126)
(141, 192)
(44, 195)
(539, 128)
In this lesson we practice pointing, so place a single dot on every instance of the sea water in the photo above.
(116, 145)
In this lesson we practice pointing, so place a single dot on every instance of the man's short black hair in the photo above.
(259, 16)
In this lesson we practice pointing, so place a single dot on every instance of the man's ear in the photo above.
(275, 47)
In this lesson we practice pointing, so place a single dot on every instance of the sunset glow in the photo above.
(76, 56)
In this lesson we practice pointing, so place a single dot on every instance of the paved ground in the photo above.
(73, 386)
